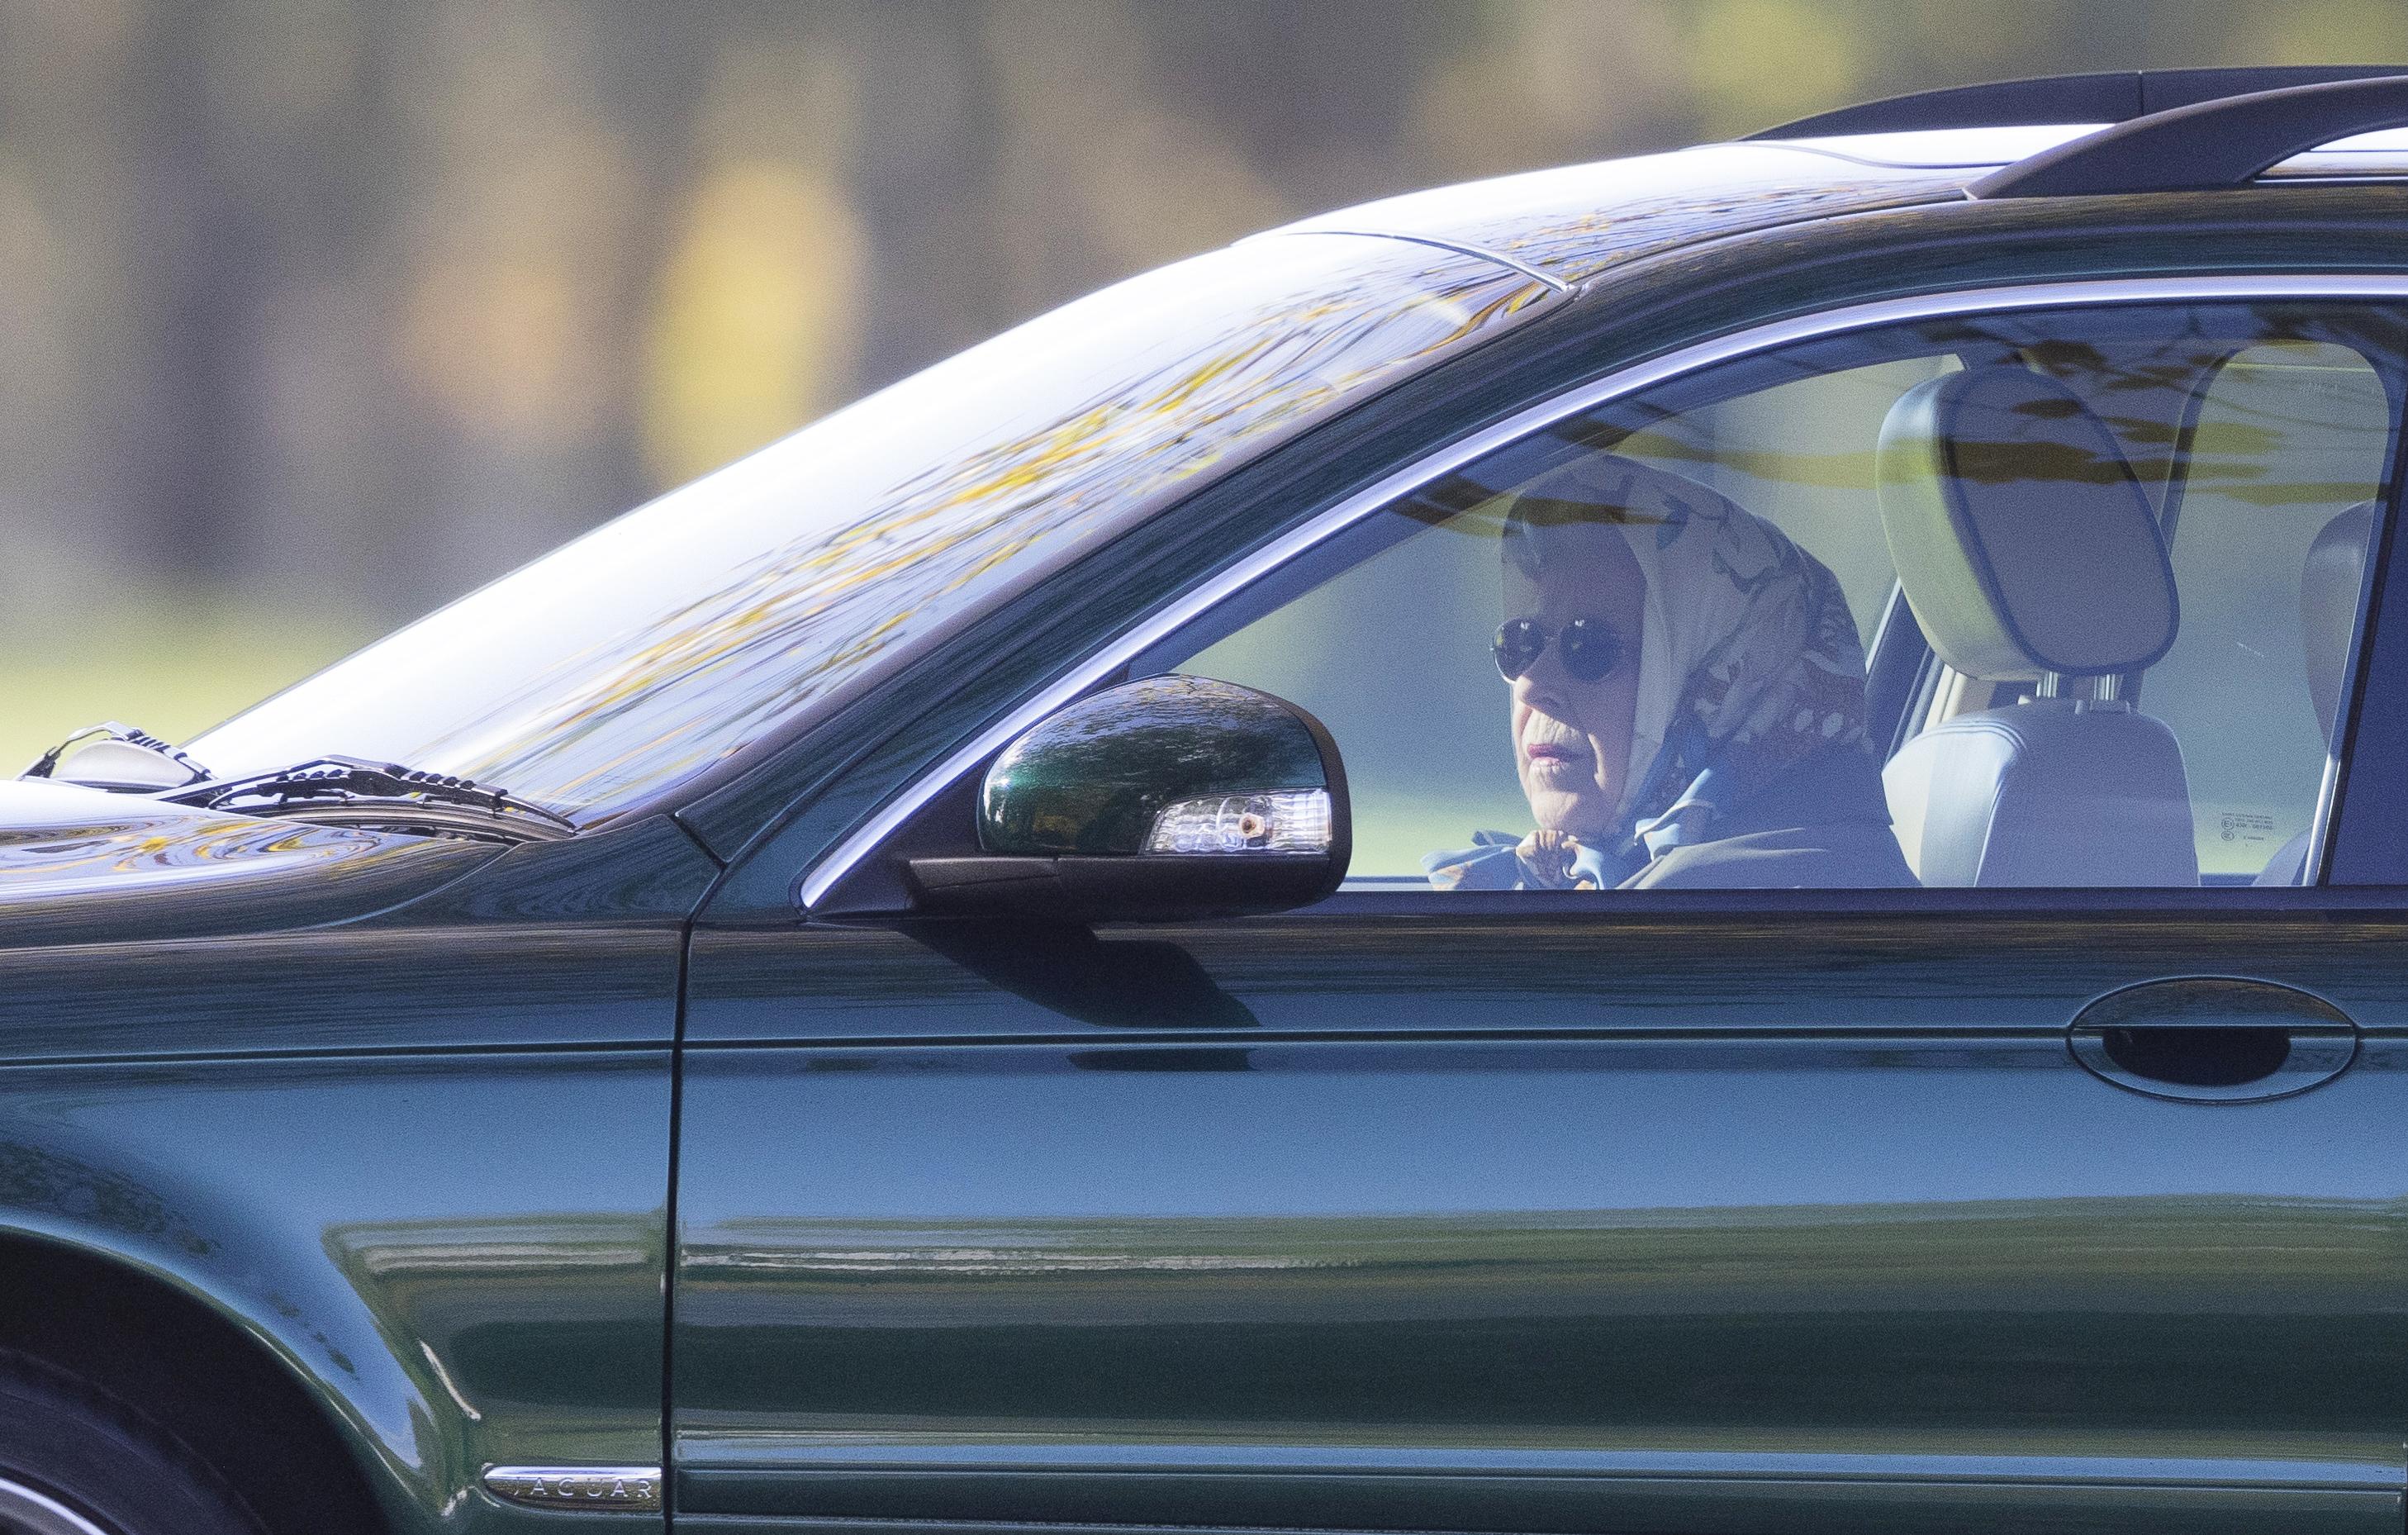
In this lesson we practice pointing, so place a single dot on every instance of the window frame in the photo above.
(2334, 827)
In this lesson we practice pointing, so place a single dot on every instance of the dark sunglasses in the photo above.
(1588, 646)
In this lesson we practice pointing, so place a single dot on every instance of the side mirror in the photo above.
(1176, 797)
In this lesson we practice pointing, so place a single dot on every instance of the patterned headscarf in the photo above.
(1748, 659)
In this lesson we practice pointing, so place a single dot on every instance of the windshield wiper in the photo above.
(118, 756)
(349, 791)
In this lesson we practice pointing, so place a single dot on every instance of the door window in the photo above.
(2054, 599)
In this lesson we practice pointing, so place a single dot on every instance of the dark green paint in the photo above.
(76, 862)
(1626, 1213)
(458, 1251)
(419, 1155)
(1676, 1215)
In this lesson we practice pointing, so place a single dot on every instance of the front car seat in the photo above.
(2030, 554)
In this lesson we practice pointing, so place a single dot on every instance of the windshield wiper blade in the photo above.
(341, 789)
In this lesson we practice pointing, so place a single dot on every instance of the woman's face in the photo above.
(1573, 737)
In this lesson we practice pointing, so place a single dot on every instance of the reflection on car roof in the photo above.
(1574, 223)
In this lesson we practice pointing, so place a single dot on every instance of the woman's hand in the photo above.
(1547, 857)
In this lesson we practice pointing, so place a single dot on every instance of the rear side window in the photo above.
(2057, 599)
(2286, 449)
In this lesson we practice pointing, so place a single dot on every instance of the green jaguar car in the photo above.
(1713, 843)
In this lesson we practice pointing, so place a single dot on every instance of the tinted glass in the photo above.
(2126, 536)
(2288, 441)
(751, 599)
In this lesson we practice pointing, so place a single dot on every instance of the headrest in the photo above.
(2329, 587)
(2023, 541)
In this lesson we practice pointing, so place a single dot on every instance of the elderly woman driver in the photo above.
(1688, 698)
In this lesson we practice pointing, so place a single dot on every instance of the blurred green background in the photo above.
(315, 313)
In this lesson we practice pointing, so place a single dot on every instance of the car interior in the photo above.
(2107, 590)
(2031, 582)
(2040, 605)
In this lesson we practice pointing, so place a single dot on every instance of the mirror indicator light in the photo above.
(1291, 821)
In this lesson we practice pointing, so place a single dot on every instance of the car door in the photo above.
(2054, 1183)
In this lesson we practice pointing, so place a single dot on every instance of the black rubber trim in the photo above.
(2213, 146)
(2116, 95)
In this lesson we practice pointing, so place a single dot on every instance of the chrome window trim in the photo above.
(814, 884)
(2312, 863)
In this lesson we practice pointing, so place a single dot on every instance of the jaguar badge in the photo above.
(634, 1489)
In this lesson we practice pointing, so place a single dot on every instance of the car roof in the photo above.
(1572, 224)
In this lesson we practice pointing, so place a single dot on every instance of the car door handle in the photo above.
(2214, 1040)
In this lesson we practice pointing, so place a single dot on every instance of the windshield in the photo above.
(636, 656)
